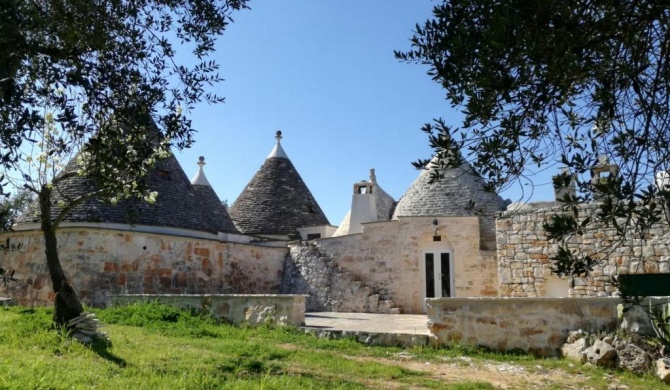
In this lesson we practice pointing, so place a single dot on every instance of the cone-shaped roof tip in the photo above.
(278, 151)
(200, 179)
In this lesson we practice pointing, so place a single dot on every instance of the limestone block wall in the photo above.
(387, 257)
(539, 325)
(524, 255)
(101, 262)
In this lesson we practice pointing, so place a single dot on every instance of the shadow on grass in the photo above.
(102, 349)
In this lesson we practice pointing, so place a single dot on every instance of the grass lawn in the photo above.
(158, 347)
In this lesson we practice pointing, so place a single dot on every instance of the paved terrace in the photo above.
(375, 329)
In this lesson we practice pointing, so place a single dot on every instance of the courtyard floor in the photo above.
(411, 324)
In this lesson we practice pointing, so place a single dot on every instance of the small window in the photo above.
(362, 190)
(437, 238)
(313, 236)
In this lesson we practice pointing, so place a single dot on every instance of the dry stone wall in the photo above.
(524, 255)
(387, 258)
(102, 262)
(539, 326)
(308, 270)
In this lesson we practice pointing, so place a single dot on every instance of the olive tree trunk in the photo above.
(67, 305)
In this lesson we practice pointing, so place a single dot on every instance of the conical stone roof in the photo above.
(459, 193)
(276, 201)
(211, 207)
(178, 203)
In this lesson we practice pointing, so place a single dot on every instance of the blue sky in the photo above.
(323, 73)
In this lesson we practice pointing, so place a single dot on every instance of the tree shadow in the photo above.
(101, 347)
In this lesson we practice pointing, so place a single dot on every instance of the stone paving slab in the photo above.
(404, 330)
(368, 322)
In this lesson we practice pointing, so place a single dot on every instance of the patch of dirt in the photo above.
(501, 375)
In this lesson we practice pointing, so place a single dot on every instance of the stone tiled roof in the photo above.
(460, 193)
(276, 201)
(451, 196)
(384, 202)
(178, 204)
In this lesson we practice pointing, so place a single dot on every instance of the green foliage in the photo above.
(7, 276)
(13, 208)
(583, 84)
(660, 321)
(161, 318)
(161, 354)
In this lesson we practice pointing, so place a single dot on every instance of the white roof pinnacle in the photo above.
(200, 179)
(278, 151)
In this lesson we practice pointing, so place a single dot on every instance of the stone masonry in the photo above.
(308, 270)
(459, 193)
(539, 325)
(387, 257)
(100, 262)
(524, 254)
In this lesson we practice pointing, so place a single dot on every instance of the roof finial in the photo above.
(278, 151)
(200, 179)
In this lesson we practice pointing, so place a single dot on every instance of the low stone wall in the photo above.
(101, 262)
(536, 325)
(250, 309)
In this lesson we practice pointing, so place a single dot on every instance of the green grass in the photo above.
(158, 347)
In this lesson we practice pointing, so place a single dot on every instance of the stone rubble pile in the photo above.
(85, 328)
(631, 352)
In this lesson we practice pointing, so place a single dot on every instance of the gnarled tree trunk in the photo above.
(67, 305)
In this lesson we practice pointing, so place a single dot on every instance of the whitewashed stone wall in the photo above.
(524, 255)
(387, 258)
(102, 262)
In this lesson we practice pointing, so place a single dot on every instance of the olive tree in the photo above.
(99, 80)
(546, 83)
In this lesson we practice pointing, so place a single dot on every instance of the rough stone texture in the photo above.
(633, 358)
(601, 354)
(372, 338)
(384, 203)
(575, 350)
(575, 335)
(387, 257)
(536, 325)
(460, 193)
(309, 271)
(636, 320)
(524, 254)
(249, 309)
(178, 203)
(100, 262)
(212, 210)
(276, 202)
(663, 369)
